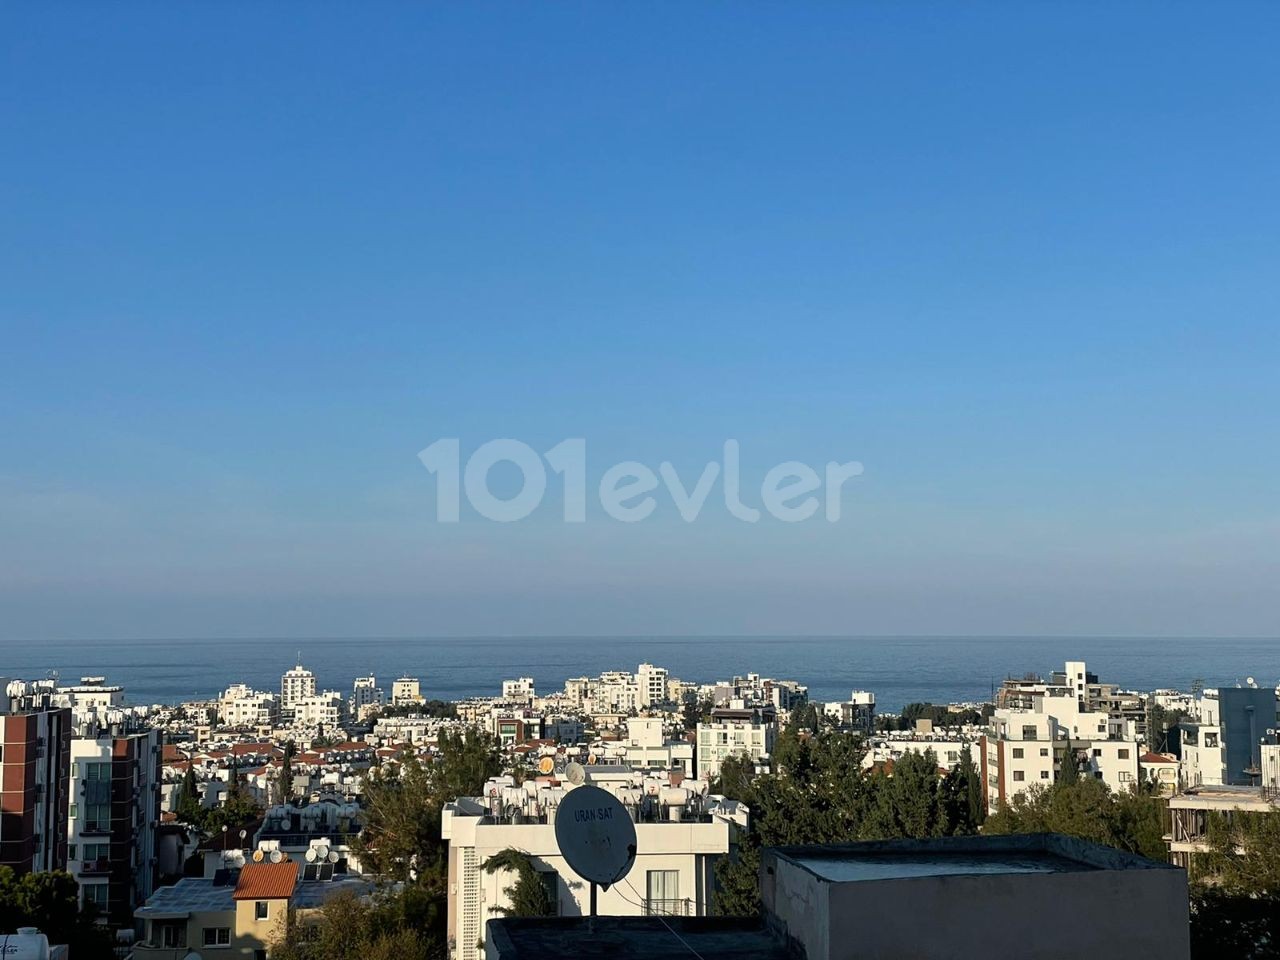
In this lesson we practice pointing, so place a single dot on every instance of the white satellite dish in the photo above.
(333, 856)
(310, 855)
(595, 835)
(1250, 681)
(322, 852)
(575, 772)
(276, 856)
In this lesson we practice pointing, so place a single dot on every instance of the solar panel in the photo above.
(326, 871)
(221, 878)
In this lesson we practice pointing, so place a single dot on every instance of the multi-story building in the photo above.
(647, 746)
(1189, 814)
(680, 834)
(242, 706)
(520, 690)
(327, 710)
(651, 685)
(366, 696)
(1222, 743)
(91, 693)
(406, 691)
(746, 733)
(114, 813)
(1027, 743)
(35, 767)
(295, 685)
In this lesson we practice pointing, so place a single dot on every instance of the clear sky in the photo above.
(1020, 260)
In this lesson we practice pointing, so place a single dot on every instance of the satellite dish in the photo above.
(574, 773)
(310, 855)
(276, 856)
(595, 835)
(257, 856)
(591, 759)
(546, 765)
(322, 851)
(1250, 681)
(333, 856)
(238, 859)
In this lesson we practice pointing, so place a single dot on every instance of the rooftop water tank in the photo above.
(27, 944)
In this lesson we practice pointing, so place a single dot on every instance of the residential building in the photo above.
(242, 706)
(680, 834)
(406, 691)
(647, 746)
(114, 813)
(296, 684)
(366, 697)
(520, 690)
(746, 733)
(35, 767)
(327, 711)
(90, 694)
(238, 914)
(954, 897)
(651, 685)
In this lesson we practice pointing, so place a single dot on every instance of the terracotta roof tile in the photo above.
(267, 881)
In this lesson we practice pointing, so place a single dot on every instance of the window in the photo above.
(1044, 751)
(1019, 775)
(1123, 753)
(1029, 733)
(663, 892)
(96, 851)
(95, 893)
(73, 811)
(260, 910)
(259, 955)
(97, 771)
(216, 936)
(1097, 752)
(1017, 753)
(1044, 774)
(170, 935)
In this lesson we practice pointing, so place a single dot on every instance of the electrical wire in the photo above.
(663, 921)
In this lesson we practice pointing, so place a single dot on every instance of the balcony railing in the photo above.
(668, 908)
(95, 868)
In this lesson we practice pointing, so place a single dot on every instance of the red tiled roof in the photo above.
(172, 753)
(1156, 758)
(267, 881)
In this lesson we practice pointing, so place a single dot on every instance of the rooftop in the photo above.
(267, 881)
(188, 895)
(1035, 853)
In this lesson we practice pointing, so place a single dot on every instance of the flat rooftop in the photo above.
(633, 938)
(1036, 853)
(854, 868)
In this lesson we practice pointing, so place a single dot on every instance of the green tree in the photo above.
(187, 806)
(286, 772)
(386, 926)
(1069, 768)
(528, 895)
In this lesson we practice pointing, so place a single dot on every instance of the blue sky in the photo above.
(1018, 260)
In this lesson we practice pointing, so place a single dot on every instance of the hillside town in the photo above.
(165, 815)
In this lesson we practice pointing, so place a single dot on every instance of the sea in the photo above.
(898, 670)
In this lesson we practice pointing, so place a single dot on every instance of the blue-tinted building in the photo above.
(1247, 715)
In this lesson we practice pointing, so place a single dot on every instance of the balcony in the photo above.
(668, 908)
(95, 828)
(95, 868)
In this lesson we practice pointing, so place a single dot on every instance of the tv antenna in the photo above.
(596, 838)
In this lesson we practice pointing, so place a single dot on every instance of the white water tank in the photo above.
(27, 944)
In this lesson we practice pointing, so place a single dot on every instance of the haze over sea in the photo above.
(898, 670)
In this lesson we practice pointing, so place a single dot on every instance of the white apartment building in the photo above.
(91, 695)
(113, 813)
(734, 733)
(1204, 756)
(327, 710)
(947, 750)
(241, 706)
(651, 685)
(1025, 746)
(520, 689)
(366, 696)
(680, 834)
(646, 746)
(296, 684)
(406, 691)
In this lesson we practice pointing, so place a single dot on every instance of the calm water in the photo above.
(899, 670)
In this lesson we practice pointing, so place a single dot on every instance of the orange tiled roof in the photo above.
(267, 881)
